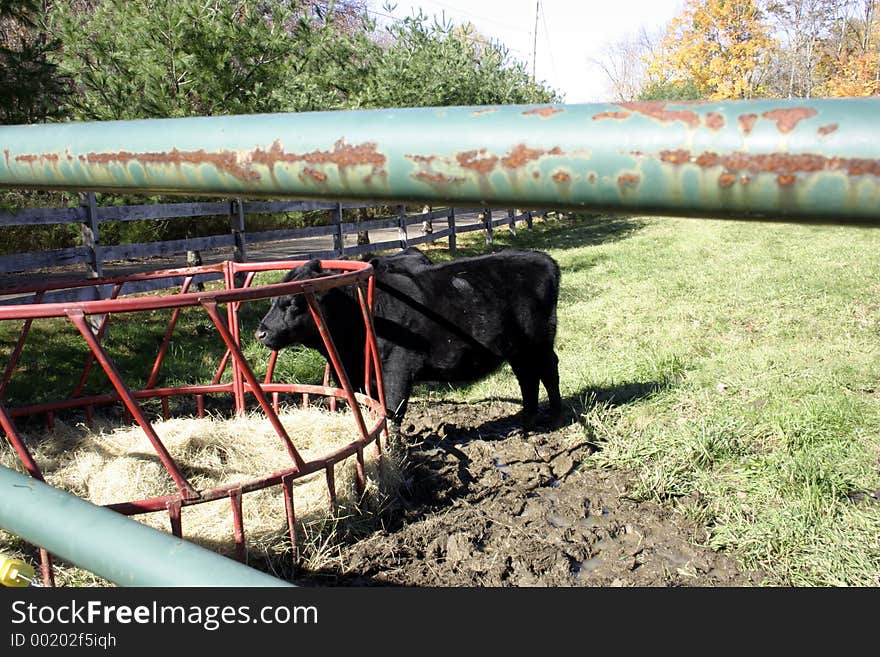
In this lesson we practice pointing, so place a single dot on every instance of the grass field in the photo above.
(733, 367)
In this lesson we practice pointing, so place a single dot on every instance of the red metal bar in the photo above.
(290, 511)
(166, 340)
(79, 320)
(46, 568)
(270, 370)
(16, 352)
(14, 438)
(238, 525)
(174, 518)
(341, 374)
(211, 308)
(90, 358)
(331, 487)
(360, 472)
(232, 325)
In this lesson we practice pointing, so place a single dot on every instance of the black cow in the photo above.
(455, 321)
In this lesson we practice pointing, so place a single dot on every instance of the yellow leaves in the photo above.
(720, 45)
(855, 75)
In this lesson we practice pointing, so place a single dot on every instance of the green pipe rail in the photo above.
(805, 160)
(111, 545)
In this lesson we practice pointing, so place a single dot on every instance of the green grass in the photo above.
(732, 367)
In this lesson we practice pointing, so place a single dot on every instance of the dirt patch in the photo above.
(487, 504)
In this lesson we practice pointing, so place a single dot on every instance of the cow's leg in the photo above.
(549, 373)
(528, 378)
(398, 385)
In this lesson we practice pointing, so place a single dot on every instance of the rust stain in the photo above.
(656, 109)
(343, 155)
(6, 155)
(714, 121)
(747, 122)
(436, 178)
(788, 118)
(536, 175)
(561, 178)
(521, 154)
(592, 178)
(745, 180)
(33, 159)
(726, 179)
(489, 110)
(626, 180)
(779, 163)
(472, 160)
(315, 174)
(225, 161)
(611, 115)
(707, 159)
(785, 179)
(827, 129)
(543, 112)
(675, 157)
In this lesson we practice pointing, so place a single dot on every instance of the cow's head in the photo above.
(289, 320)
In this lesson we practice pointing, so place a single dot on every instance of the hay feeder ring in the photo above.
(90, 305)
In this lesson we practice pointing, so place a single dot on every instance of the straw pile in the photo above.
(108, 463)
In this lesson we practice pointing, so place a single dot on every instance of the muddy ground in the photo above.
(487, 504)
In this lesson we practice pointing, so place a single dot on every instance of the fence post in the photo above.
(529, 219)
(236, 225)
(89, 233)
(428, 223)
(487, 223)
(511, 215)
(450, 221)
(339, 235)
(401, 230)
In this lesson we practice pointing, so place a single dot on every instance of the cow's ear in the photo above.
(313, 266)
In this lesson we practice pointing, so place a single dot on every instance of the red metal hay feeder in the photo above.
(91, 319)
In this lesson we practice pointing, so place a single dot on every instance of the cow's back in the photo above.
(472, 313)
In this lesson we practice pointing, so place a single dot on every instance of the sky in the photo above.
(570, 32)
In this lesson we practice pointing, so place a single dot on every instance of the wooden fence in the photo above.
(93, 255)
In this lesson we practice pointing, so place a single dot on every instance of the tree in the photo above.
(721, 46)
(625, 64)
(172, 58)
(852, 61)
(439, 64)
(31, 87)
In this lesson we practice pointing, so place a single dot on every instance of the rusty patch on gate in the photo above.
(473, 160)
(488, 110)
(656, 109)
(827, 129)
(726, 179)
(784, 164)
(787, 118)
(543, 112)
(435, 178)
(611, 115)
(561, 177)
(628, 180)
(785, 179)
(343, 156)
(747, 122)
(315, 174)
(714, 121)
(225, 161)
(521, 154)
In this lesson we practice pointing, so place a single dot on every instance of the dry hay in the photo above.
(107, 463)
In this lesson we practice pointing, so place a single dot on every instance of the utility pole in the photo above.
(535, 42)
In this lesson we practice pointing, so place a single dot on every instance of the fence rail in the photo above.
(93, 255)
